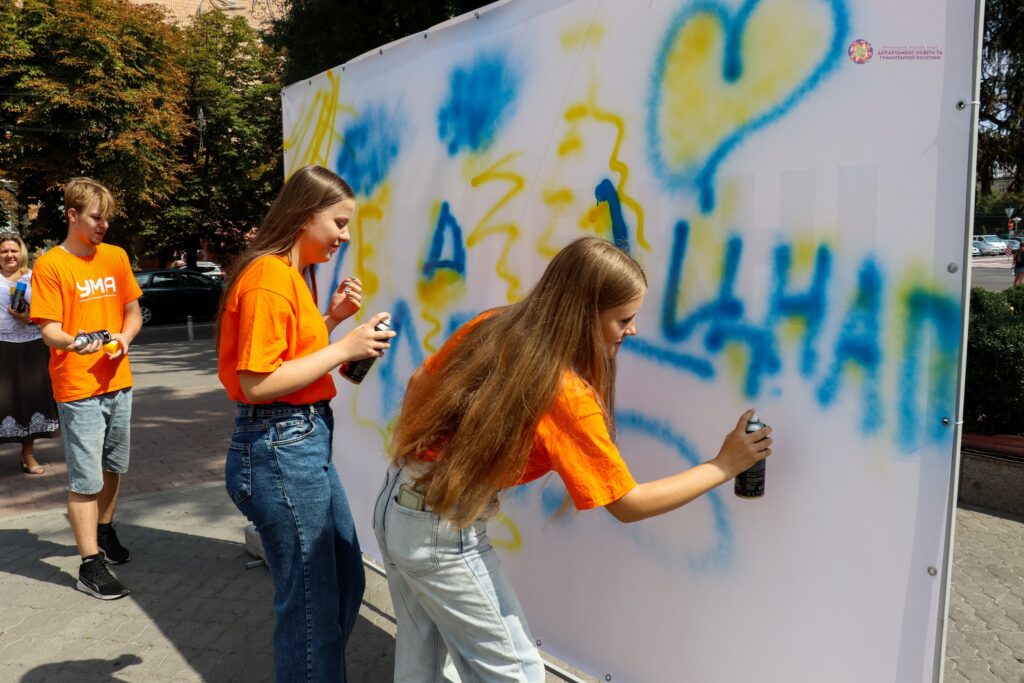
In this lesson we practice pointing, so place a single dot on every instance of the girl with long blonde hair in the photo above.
(275, 359)
(516, 393)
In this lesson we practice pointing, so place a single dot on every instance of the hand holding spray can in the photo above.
(750, 484)
(18, 303)
(355, 371)
(83, 339)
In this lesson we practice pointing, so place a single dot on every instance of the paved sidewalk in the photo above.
(197, 613)
(181, 428)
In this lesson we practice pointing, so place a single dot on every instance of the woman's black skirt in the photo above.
(27, 408)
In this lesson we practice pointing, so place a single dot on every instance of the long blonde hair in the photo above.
(309, 190)
(479, 412)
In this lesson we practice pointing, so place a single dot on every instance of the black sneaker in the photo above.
(110, 546)
(95, 579)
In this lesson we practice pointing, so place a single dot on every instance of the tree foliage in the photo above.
(994, 378)
(235, 163)
(320, 34)
(1001, 109)
(110, 89)
(91, 87)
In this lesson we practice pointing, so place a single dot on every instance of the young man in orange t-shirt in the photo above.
(83, 285)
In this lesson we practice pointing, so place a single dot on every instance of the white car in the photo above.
(209, 269)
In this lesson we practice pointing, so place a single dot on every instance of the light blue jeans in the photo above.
(280, 476)
(450, 598)
(97, 437)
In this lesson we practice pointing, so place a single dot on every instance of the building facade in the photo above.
(258, 13)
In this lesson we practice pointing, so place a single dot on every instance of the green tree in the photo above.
(91, 87)
(1001, 110)
(320, 34)
(234, 79)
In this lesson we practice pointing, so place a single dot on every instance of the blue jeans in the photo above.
(450, 597)
(280, 476)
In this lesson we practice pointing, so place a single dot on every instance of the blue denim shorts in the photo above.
(97, 436)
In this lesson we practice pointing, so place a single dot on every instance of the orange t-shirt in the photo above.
(84, 294)
(572, 438)
(270, 317)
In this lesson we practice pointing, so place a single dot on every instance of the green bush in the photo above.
(994, 383)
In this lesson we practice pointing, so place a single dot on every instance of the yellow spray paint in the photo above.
(597, 218)
(558, 201)
(515, 540)
(782, 43)
(314, 133)
(434, 293)
(584, 33)
(367, 233)
(484, 228)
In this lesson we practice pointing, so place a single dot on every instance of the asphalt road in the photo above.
(156, 333)
(991, 272)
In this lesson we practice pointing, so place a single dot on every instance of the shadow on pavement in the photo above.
(199, 597)
(93, 670)
(25, 553)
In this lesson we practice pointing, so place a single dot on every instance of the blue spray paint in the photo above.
(858, 344)
(725, 307)
(717, 557)
(482, 97)
(447, 230)
(700, 367)
(370, 146)
(927, 309)
(606, 192)
(762, 358)
(404, 326)
(809, 305)
(336, 278)
(701, 175)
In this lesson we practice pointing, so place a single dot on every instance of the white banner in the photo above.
(793, 176)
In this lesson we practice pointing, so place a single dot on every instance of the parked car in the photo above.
(174, 294)
(987, 248)
(1012, 244)
(975, 250)
(994, 241)
(209, 269)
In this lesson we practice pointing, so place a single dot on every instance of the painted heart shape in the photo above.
(721, 76)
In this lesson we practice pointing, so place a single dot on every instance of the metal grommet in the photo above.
(961, 105)
(946, 421)
(538, 642)
(607, 677)
(952, 267)
(932, 571)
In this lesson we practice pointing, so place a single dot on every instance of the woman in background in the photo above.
(27, 409)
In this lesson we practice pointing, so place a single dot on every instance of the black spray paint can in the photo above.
(750, 484)
(356, 370)
(85, 338)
